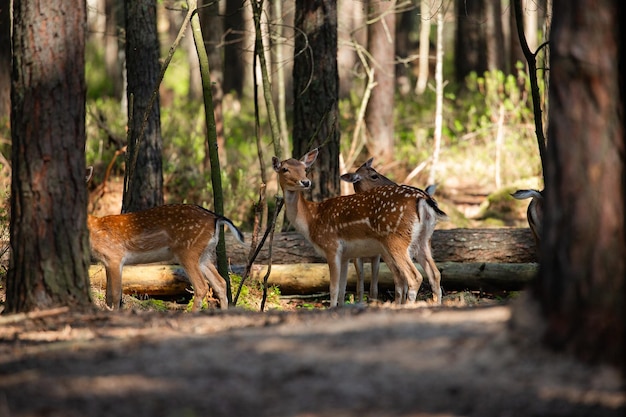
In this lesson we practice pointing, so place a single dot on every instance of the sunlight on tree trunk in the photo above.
(439, 85)
(422, 75)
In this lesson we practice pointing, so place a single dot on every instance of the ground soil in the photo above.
(353, 361)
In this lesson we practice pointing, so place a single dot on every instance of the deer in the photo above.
(534, 213)
(386, 221)
(183, 233)
(363, 179)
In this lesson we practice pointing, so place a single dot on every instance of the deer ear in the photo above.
(368, 163)
(351, 177)
(310, 157)
(275, 163)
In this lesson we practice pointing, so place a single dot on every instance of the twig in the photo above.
(16, 318)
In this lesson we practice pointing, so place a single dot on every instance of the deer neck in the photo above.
(300, 212)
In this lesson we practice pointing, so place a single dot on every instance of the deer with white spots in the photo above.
(182, 233)
(366, 178)
(384, 221)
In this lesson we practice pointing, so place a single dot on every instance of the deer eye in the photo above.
(284, 169)
(375, 177)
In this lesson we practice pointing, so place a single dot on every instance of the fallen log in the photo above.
(453, 245)
(308, 278)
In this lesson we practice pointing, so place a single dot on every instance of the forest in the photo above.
(187, 102)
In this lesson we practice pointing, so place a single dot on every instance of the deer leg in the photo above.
(334, 268)
(399, 280)
(217, 283)
(374, 281)
(199, 284)
(114, 285)
(434, 276)
(343, 282)
(360, 279)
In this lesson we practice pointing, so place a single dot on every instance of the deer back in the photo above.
(156, 234)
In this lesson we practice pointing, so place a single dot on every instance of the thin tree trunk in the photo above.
(432, 177)
(423, 60)
(379, 115)
(211, 138)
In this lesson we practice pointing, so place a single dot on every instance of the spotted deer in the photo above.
(364, 179)
(534, 213)
(384, 221)
(182, 233)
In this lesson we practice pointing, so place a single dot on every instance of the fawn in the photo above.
(184, 233)
(364, 179)
(386, 221)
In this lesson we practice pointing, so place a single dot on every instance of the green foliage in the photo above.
(98, 83)
(252, 293)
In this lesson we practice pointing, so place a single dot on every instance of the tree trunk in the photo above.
(454, 245)
(316, 93)
(235, 44)
(494, 36)
(144, 179)
(581, 286)
(470, 52)
(5, 61)
(380, 108)
(424, 47)
(114, 13)
(212, 31)
(49, 239)
(304, 278)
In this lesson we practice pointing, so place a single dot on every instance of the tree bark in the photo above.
(212, 30)
(5, 61)
(581, 286)
(306, 278)
(49, 240)
(454, 245)
(143, 183)
(380, 108)
(316, 93)
(470, 52)
(236, 43)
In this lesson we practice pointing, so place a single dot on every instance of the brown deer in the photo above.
(183, 233)
(390, 221)
(534, 213)
(364, 179)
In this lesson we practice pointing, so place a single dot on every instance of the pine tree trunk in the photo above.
(144, 179)
(316, 93)
(379, 114)
(581, 287)
(49, 239)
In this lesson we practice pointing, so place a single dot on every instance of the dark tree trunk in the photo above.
(5, 61)
(145, 188)
(470, 52)
(316, 92)
(494, 36)
(380, 108)
(49, 239)
(113, 60)
(581, 286)
(234, 30)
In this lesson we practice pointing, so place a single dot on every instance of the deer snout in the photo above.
(306, 184)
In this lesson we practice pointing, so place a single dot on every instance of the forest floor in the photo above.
(479, 358)
(378, 360)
